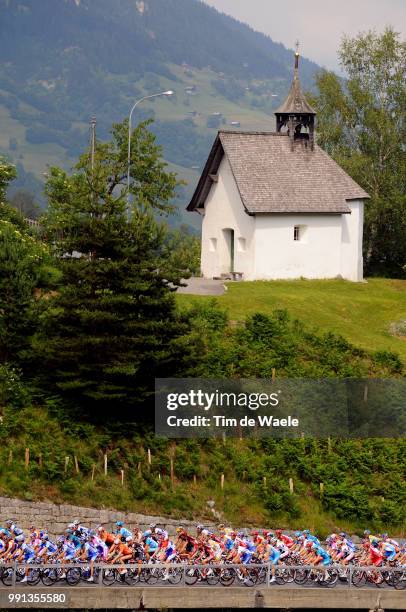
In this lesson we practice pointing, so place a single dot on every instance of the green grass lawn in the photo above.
(361, 312)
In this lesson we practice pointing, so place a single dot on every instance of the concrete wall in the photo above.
(316, 255)
(351, 242)
(150, 598)
(55, 517)
(224, 211)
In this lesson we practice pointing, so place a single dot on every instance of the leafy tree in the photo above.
(361, 123)
(113, 326)
(7, 174)
(183, 248)
(25, 269)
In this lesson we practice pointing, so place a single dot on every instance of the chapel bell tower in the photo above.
(295, 113)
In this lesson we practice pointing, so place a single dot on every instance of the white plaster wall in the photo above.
(224, 209)
(278, 255)
(351, 242)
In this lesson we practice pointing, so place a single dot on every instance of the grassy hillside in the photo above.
(361, 312)
(364, 481)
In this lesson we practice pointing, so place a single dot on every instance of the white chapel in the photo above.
(274, 205)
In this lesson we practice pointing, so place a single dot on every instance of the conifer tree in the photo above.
(112, 326)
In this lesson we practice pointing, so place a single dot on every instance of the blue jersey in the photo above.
(320, 552)
(124, 533)
(151, 544)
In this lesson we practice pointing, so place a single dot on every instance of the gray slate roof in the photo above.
(271, 178)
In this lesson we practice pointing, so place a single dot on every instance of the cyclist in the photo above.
(47, 548)
(24, 553)
(122, 531)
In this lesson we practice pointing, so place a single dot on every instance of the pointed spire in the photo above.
(296, 100)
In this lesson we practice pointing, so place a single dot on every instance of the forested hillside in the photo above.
(96, 57)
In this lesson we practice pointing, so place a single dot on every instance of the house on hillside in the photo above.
(275, 205)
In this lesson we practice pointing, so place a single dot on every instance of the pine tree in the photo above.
(113, 326)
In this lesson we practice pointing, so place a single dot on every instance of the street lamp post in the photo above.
(163, 93)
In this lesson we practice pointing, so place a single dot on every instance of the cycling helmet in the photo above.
(100, 529)
(367, 532)
(179, 529)
(20, 538)
(45, 536)
(117, 541)
(342, 534)
(60, 540)
(9, 522)
(306, 531)
(278, 531)
(152, 526)
(199, 527)
(254, 533)
(309, 544)
(75, 523)
(119, 523)
(274, 541)
(298, 534)
(129, 539)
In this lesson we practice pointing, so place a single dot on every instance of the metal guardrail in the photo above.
(348, 570)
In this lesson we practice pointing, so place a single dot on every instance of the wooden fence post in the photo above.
(291, 485)
(264, 479)
(93, 470)
(40, 460)
(122, 478)
(273, 374)
(139, 469)
(76, 464)
(10, 457)
(321, 488)
(66, 464)
(222, 482)
(194, 480)
(149, 458)
(105, 465)
(27, 458)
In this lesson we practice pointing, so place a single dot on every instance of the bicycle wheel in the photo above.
(132, 576)
(227, 576)
(154, 574)
(73, 576)
(34, 576)
(50, 575)
(301, 576)
(282, 576)
(331, 579)
(109, 576)
(399, 581)
(20, 574)
(175, 575)
(191, 575)
(358, 578)
(251, 577)
(7, 576)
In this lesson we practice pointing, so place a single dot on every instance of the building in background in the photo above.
(276, 206)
